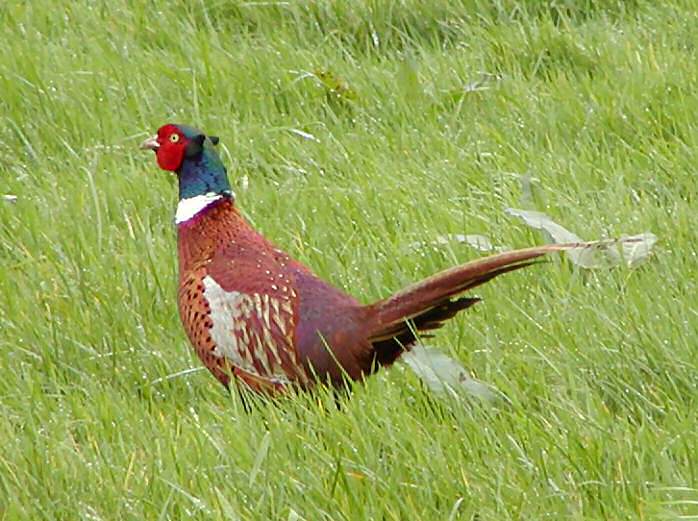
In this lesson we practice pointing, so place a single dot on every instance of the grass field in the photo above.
(352, 130)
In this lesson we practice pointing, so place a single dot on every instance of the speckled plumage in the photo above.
(270, 305)
(255, 314)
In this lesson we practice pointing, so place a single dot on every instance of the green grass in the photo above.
(444, 106)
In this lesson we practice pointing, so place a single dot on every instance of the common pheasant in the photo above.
(254, 313)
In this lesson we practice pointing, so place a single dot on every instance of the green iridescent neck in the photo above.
(203, 174)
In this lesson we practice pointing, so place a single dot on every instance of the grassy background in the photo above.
(442, 107)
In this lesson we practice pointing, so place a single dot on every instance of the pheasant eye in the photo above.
(174, 138)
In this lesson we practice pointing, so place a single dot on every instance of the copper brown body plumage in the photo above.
(255, 314)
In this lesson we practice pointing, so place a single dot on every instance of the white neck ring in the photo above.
(191, 206)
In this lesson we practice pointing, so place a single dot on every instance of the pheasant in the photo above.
(257, 315)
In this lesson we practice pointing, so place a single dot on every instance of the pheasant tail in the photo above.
(430, 302)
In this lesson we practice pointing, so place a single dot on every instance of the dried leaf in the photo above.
(629, 249)
(540, 221)
(441, 373)
(586, 258)
(636, 248)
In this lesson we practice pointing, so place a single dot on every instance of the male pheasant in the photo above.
(254, 313)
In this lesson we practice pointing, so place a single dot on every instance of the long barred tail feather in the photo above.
(425, 305)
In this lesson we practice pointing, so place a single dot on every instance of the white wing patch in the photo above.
(231, 312)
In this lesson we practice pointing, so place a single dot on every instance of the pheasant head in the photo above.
(192, 156)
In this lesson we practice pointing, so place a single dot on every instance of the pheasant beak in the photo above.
(151, 143)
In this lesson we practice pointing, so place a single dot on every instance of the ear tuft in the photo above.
(214, 139)
(195, 145)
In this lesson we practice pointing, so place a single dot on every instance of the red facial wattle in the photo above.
(172, 145)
